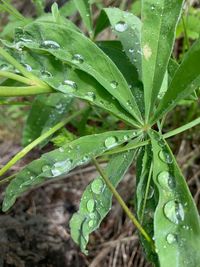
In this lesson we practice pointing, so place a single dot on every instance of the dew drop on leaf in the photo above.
(49, 44)
(174, 211)
(171, 238)
(166, 180)
(165, 157)
(46, 168)
(46, 74)
(90, 96)
(90, 205)
(28, 67)
(77, 59)
(110, 142)
(114, 84)
(90, 223)
(68, 86)
(61, 167)
(97, 186)
(150, 192)
(121, 26)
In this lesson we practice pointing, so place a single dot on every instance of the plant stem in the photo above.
(7, 179)
(16, 77)
(13, 103)
(122, 203)
(37, 141)
(8, 91)
(185, 34)
(166, 135)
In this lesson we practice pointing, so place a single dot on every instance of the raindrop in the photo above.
(166, 180)
(46, 168)
(90, 96)
(77, 59)
(90, 205)
(68, 86)
(46, 74)
(171, 238)
(129, 104)
(131, 50)
(165, 157)
(90, 223)
(61, 167)
(114, 84)
(121, 26)
(49, 44)
(126, 137)
(97, 186)
(152, 7)
(28, 67)
(110, 142)
(174, 211)
(150, 192)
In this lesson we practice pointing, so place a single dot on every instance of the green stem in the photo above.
(13, 103)
(185, 34)
(11, 10)
(10, 91)
(166, 135)
(16, 77)
(37, 141)
(123, 204)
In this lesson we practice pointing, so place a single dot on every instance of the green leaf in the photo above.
(46, 111)
(127, 27)
(184, 82)
(68, 9)
(96, 200)
(146, 198)
(159, 23)
(60, 161)
(84, 9)
(77, 50)
(176, 219)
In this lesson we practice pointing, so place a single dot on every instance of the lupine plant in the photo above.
(135, 79)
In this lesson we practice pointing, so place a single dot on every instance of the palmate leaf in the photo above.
(176, 219)
(127, 27)
(185, 80)
(77, 50)
(60, 161)
(84, 9)
(96, 200)
(159, 19)
(45, 112)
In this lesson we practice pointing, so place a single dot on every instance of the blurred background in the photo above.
(35, 233)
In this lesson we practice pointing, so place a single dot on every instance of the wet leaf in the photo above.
(96, 200)
(159, 19)
(176, 219)
(60, 161)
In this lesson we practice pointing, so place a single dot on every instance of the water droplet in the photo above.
(126, 137)
(4, 67)
(46, 168)
(129, 104)
(28, 67)
(90, 223)
(77, 59)
(114, 84)
(110, 142)
(46, 74)
(68, 86)
(84, 159)
(152, 7)
(61, 167)
(171, 238)
(165, 157)
(90, 96)
(97, 186)
(90, 205)
(150, 193)
(174, 211)
(166, 180)
(121, 26)
(49, 44)
(131, 50)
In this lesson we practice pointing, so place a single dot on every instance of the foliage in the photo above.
(133, 79)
